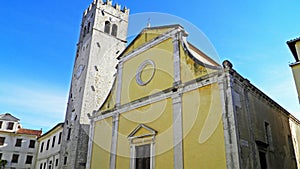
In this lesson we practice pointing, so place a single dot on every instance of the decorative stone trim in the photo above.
(113, 149)
(139, 72)
(189, 86)
(142, 140)
(176, 57)
(90, 143)
(119, 83)
(177, 131)
(151, 43)
(231, 136)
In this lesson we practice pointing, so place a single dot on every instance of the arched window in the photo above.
(84, 31)
(89, 27)
(114, 30)
(107, 27)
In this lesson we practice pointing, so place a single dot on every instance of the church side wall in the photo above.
(264, 132)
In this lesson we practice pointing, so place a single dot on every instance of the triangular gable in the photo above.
(142, 131)
(146, 35)
(8, 117)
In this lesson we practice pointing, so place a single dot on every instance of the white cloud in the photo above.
(37, 106)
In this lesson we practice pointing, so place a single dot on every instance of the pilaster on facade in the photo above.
(176, 38)
(246, 102)
(177, 131)
(229, 117)
(90, 143)
(119, 84)
(113, 149)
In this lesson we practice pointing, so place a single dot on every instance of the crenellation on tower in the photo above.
(118, 7)
(126, 10)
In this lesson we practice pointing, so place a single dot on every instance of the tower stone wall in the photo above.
(102, 38)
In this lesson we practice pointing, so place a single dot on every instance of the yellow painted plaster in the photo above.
(203, 143)
(189, 68)
(158, 116)
(162, 56)
(101, 144)
(111, 100)
(146, 36)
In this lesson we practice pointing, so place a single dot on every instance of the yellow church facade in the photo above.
(172, 106)
(149, 109)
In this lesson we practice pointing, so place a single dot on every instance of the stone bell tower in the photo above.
(102, 38)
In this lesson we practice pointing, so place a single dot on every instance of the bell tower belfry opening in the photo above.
(102, 37)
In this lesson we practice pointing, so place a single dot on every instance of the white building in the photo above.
(49, 148)
(17, 145)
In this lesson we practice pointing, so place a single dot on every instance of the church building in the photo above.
(172, 106)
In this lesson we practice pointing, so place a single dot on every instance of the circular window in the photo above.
(145, 72)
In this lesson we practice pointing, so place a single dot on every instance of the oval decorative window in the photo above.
(145, 72)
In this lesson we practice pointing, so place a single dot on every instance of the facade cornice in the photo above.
(53, 130)
(254, 90)
(164, 94)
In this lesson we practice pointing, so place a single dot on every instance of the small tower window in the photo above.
(107, 27)
(84, 31)
(114, 30)
(69, 134)
(89, 27)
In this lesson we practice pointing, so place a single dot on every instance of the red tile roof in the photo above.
(30, 132)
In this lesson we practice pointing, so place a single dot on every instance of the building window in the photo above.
(262, 148)
(267, 132)
(45, 165)
(69, 134)
(10, 126)
(107, 27)
(65, 160)
(18, 142)
(59, 138)
(48, 142)
(263, 160)
(0, 156)
(142, 147)
(28, 159)
(41, 166)
(15, 158)
(42, 147)
(268, 135)
(89, 27)
(84, 31)
(114, 30)
(142, 157)
(56, 162)
(1, 122)
(49, 166)
(31, 143)
(53, 141)
(2, 140)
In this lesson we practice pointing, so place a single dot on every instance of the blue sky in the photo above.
(38, 44)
